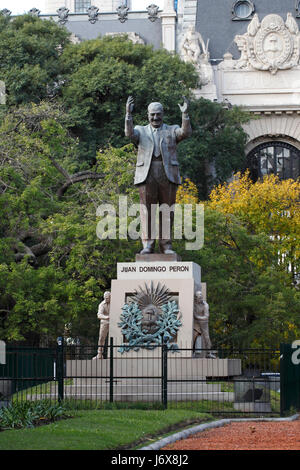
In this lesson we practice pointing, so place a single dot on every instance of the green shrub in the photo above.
(29, 414)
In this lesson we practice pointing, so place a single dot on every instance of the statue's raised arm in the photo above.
(185, 130)
(129, 129)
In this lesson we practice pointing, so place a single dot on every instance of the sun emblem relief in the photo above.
(150, 318)
(270, 45)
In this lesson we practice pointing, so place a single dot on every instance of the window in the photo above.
(243, 10)
(81, 6)
(277, 158)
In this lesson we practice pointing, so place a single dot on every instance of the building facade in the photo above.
(246, 52)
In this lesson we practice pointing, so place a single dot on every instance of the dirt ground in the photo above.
(247, 435)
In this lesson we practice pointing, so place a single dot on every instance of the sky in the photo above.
(23, 6)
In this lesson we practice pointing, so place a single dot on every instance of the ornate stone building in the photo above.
(246, 53)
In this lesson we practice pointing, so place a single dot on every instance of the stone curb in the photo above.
(203, 427)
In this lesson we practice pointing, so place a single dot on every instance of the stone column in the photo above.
(168, 18)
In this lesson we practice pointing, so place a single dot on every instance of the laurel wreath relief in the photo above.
(166, 327)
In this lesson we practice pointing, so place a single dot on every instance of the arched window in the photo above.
(277, 158)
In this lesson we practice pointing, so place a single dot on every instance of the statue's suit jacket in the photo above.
(169, 136)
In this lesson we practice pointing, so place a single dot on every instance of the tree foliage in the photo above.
(92, 81)
(251, 304)
(271, 207)
(53, 268)
(216, 148)
(63, 153)
(30, 65)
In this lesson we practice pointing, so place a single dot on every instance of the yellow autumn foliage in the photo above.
(187, 193)
(269, 206)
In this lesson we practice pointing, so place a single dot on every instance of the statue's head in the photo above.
(155, 114)
(106, 297)
(199, 296)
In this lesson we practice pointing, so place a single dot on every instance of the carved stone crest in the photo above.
(122, 11)
(5, 12)
(93, 13)
(34, 12)
(270, 45)
(63, 14)
(152, 12)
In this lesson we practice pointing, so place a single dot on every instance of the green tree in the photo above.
(216, 148)
(53, 268)
(30, 50)
(92, 81)
(251, 305)
(102, 73)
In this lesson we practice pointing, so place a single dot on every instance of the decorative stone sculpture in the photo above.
(75, 39)
(122, 11)
(103, 316)
(63, 14)
(157, 171)
(194, 50)
(201, 326)
(93, 13)
(132, 36)
(270, 45)
(149, 319)
(34, 12)
(191, 45)
(5, 12)
(152, 12)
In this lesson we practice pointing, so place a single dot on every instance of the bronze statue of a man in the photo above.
(157, 171)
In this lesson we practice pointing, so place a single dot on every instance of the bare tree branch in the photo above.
(76, 178)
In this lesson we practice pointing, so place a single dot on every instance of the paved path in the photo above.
(236, 434)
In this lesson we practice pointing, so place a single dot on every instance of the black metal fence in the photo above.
(236, 381)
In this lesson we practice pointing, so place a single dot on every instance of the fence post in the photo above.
(164, 376)
(60, 368)
(111, 370)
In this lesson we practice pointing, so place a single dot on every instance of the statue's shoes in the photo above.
(146, 251)
(169, 252)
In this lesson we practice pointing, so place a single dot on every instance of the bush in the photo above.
(30, 414)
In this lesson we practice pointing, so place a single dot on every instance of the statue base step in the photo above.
(157, 257)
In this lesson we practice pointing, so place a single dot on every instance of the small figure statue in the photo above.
(103, 315)
(191, 45)
(195, 50)
(201, 318)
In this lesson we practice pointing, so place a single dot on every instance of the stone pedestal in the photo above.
(181, 278)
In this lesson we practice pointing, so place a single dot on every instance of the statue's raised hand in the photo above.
(129, 105)
(185, 105)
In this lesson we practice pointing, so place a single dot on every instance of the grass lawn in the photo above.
(101, 429)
